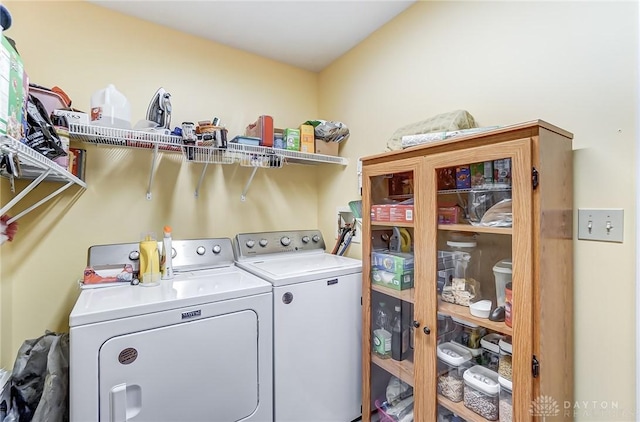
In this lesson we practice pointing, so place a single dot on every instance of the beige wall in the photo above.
(572, 64)
(81, 48)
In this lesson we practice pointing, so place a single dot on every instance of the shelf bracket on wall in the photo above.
(243, 197)
(154, 157)
(204, 169)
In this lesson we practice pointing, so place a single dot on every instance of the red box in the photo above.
(392, 213)
(448, 215)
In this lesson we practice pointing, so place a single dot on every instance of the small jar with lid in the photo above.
(453, 361)
(464, 286)
(506, 400)
(481, 392)
(491, 350)
(505, 365)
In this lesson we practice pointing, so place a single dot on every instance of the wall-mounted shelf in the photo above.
(244, 155)
(36, 167)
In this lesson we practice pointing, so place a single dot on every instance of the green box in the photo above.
(12, 91)
(292, 139)
(395, 281)
(481, 173)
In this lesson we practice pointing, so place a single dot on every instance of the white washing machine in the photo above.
(197, 348)
(317, 324)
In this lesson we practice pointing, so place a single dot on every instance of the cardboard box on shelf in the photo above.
(292, 139)
(14, 90)
(327, 148)
(389, 266)
(307, 139)
(392, 213)
(392, 280)
(263, 129)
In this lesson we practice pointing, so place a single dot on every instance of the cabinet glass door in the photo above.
(388, 293)
(477, 233)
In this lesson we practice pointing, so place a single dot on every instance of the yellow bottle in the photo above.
(149, 261)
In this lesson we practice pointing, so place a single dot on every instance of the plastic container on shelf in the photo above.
(382, 332)
(481, 392)
(505, 369)
(505, 409)
(453, 361)
(110, 108)
(491, 350)
(464, 286)
(502, 272)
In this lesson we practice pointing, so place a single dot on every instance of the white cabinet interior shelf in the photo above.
(36, 167)
(244, 155)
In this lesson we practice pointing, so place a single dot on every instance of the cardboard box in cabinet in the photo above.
(395, 281)
(327, 148)
(395, 262)
(292, 139)
(14, 89)
(392, 213)
(307, 139)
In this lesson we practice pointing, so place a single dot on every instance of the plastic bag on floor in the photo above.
(40, 380)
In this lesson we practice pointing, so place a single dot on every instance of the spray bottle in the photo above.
(166, 265)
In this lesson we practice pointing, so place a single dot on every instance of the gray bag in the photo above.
(40, 380)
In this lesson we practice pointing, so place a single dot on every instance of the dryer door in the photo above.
(203, 370)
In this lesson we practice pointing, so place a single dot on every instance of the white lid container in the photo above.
(505, 383)
(506, 346)
(453, 354)
(482, 379)
(492, 342)
(110, 108)
(502, 272)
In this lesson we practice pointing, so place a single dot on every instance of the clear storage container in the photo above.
(481, 392)
(504, 365)
(464, 286)
(453, 361)
(491, 350)
(502, 273)
(506, 400)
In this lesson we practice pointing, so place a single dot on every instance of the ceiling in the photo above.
(308, 34)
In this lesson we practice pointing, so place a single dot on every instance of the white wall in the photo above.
(573, 64)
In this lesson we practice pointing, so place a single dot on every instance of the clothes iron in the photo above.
(159, 110)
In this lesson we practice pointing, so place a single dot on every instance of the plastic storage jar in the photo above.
(469, 335)
(506, 400)
(508, 305)
(453, 361)
(491, 350)
(481, 392)
(464, 286)
(502, 273)
(504, 365)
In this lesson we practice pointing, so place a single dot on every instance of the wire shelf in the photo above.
(125, 137)
(207, 154)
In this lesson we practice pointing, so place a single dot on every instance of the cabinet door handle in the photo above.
(416, 324)
(426, 330)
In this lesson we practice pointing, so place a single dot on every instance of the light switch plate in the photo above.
(606, 225)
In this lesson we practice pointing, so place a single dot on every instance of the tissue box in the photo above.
(391, 280)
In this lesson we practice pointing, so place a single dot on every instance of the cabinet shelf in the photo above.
(390, 224)
(461, 410)
(404, 295)
(462, 312)
(37, 168)
(476, 229)
(402, 369)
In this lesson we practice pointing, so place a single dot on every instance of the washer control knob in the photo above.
(217, 249)
(134, 255)
(285, 241)
(200, 250)
(263, 242)
(315, 238)
(305, 239)
(250, 243)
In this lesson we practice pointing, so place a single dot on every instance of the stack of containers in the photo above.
(453, 361)
(506, 400)
(491, 350)
(469, 335)
(481, 392)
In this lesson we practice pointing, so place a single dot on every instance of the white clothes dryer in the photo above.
(317, 324)
(193, 349)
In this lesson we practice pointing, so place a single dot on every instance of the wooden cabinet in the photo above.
(518, 211)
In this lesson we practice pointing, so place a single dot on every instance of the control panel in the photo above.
(262, 243)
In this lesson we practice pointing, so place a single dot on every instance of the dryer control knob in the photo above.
(285, 241)
(250, 243)
(217, 249)
(305, 239)
(263, 242)
(315, 238)
(200, 250)
(134, 255)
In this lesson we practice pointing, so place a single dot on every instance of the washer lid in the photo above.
(296, 268)
(186, 289)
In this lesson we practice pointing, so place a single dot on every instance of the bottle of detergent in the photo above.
(149, 261)
(166, 264)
